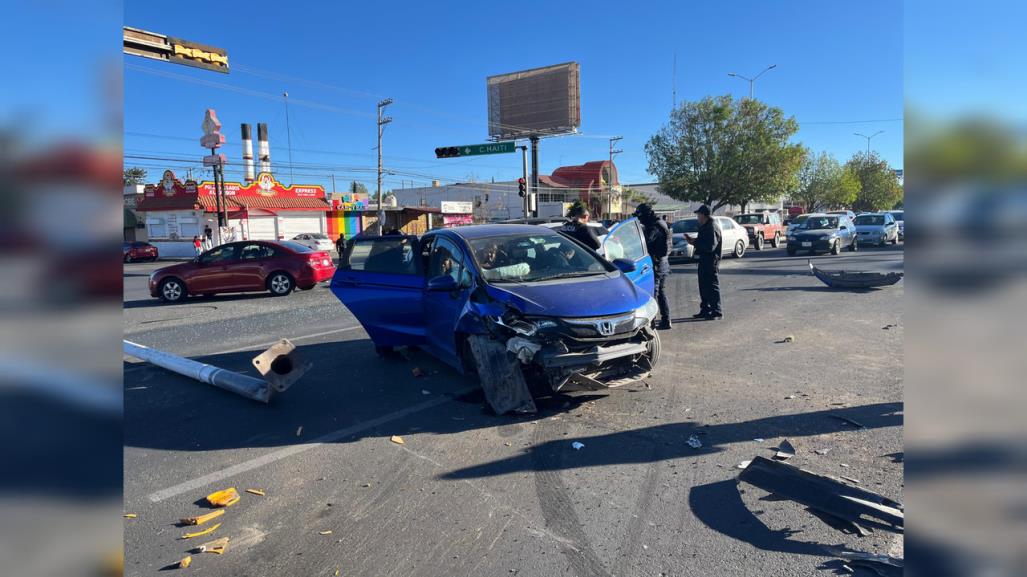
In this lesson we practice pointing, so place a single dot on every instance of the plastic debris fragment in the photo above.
(201, 519)
(577, 446)
(694, 442)
(398, 440)
(255, 492)
(206, 531)
(185, 562)
(225, 498)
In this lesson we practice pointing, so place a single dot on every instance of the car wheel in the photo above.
(739, 249)
(854, 246)
(836, 247)
(895, 240)
(777, 240)
(306, 288)
(654, 348)
(280, 284)
(172, 290)
(758, 243)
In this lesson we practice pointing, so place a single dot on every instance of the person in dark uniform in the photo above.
(578, 229)
(708, 246)
(658, 241)
(340, 247)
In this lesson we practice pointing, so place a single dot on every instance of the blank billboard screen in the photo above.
(535, 102)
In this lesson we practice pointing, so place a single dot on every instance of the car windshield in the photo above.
(871, 219)
(897, 215)
(749, 219)
(686, 225)
(530, 258)
(318, 236)
(820, 222)
(799, 219)
(295, 246)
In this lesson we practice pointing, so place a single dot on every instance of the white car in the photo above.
(315, 240)
(897, 215)
(734, 237)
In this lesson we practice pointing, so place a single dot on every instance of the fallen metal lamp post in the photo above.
(277, 364)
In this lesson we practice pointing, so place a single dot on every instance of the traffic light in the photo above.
(522, 187)
(447, 152)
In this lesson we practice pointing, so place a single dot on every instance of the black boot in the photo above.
(664, 325)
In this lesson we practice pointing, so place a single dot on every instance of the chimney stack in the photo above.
(247, 152)
(264, 151)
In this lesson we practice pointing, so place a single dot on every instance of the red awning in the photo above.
(274, 203)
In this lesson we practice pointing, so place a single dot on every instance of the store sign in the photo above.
(457, 207)
(265, 185)
(169, 186)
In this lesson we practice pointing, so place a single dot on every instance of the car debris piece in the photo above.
(787, 339)
(759, 439)
(216, 546)
(224, 498)
(852, 422)
(694, 442)
(825, 494)
(577, 446)
(883, 565)
(523, 348)
(398, 440)
(281, 366)
(201, 519)
(366, 485)
(839, 524)
(822, 451)
(325, 532)
(299, 430)
(129, 515)
(185, 562)
(743, 464)
(501, 377)
(849, 479)
(256, 492)
(785, 451)
(206, 531)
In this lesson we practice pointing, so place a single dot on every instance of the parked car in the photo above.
(247, 266)
(315, 240)
(823, 233)
(794, 223)
(138, 250)
(878, 228)
(848, 213)
(733, 236)
(762, 227)
(523, 305)
(897, 215)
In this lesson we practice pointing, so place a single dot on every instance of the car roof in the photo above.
(556, 224)
(487, 230)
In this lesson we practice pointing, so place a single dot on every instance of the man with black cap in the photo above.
(659, 242)
(578, 229)
(708, 245)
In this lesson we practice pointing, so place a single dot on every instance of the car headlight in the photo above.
(648, 311)
(524, 327)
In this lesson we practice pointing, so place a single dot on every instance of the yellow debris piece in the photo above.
(398, 440)
(336, 573)
(185, 562)
(225, 498)
(201, 519)
(130, 515)
(255, 492)
(326, 532)
(217, 546)
(206, 531)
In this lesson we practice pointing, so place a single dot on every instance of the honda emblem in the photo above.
(605, 328)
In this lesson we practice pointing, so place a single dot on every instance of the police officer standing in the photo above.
(708, 245)
(658, 241)
(578, 229)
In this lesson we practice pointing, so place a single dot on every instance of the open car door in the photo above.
(383, 286)
(626, 240)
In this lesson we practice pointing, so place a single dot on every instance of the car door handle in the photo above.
(646, 269)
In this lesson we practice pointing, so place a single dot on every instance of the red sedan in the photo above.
(133, 251)
(247, 266)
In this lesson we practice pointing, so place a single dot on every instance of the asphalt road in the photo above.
(470, 493)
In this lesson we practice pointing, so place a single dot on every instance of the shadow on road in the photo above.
(622, 447)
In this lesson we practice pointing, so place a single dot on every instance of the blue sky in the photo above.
(837, 63)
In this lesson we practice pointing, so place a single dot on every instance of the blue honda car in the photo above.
(530, 310)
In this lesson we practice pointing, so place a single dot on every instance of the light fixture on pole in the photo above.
(868, 140)
(609, 177)
(753, 79)
(382, 121)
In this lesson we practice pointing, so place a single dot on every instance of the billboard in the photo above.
(535, 102)
(457, 207)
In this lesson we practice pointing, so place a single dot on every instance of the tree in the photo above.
(133, 176)
(576, 208)
(637, 197)
(823, 182)
(879, 187)
(357, 188)
(720, 151)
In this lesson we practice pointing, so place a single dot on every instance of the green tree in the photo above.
(357, 187)
(879, 187)
(133, 176)
(823, 183)
(720, 151)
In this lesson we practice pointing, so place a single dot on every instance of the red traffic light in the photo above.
(522, 187)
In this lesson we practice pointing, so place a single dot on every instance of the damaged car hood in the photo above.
(600, 295)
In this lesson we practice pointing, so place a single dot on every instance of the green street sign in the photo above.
(475, 149)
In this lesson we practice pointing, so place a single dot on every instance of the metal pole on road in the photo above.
(382, 121)
(524, 175)
(249, 387)
(753, 79)
(868, 140)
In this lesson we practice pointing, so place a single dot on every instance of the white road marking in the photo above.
(280, 454)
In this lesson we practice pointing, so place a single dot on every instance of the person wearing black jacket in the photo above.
(578, 229)
(708, 246)
(658, 241)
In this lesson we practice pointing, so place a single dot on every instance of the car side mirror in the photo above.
(625, 265)
(443, 283)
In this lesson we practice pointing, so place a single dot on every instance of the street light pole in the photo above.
(868, 140)
(382, 121)
(609, 177)
(753, 79)
(288, 138)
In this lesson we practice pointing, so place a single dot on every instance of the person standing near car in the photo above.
(208, 237)
(340, 247)
(708, 246)
(197, 245)
(578, 229)
(658, 241)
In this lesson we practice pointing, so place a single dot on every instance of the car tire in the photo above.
(758, 243)
(739, 249)
(777, 240)
(836, 247)
(279, 283)
(306, 288)
(854, 246)
(172, 290)
(895, 240)
(654, 348)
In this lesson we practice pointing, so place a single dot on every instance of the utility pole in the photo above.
(753, 79)
(534, 175)
(609, 177)
(382, 121)
(288, 138)
(333, 183)
(868, 141)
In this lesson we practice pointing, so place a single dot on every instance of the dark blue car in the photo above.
(530, 310)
